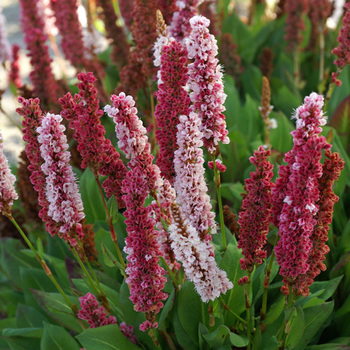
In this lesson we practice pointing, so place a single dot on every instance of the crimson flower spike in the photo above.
(296, 196)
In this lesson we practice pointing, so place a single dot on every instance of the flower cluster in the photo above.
(70, 29)
(93, 313)
(161, 212)
(295, 23)
(173, 101)
(65, 204)
(343, 50)
(332, 167)
(133, 140)
(144, 33)
(32, 118)
(120, 47)
(205, 81)
(190, 186)
(45, 86)
(318, 14)
(256, 211)
(96, 151)
(145, 277)
(297, 192)
(180, 27)
(14, 76)
(7, 180)
(197, 258)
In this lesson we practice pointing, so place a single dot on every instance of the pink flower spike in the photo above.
(7, 179)
(343, 50)
(296, 194)
(189, 184)
(197, 258)
(256, 211)
(145, 277)
(173, 102)
(32, 118)
(97, 152)
(67, 21)
(180, 26)
(205, 81)
(65, 204)
(133, 140)
(33, 27)
(93, 313)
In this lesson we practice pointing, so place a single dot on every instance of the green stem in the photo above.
(226, 307)
(266, 286)
(171, 274)
(289, 306)
(248, 306)
(86, 272)
(221, 212)
(44, 266)
(109, 220)
(328, 96)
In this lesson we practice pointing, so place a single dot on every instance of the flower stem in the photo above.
(221, 212)
(289, 307)
(248, 307)
(171, 274)
(322, 45)
(266, 286)
(109, 220)
(226, 307)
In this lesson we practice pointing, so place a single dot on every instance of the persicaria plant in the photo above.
(163, 203)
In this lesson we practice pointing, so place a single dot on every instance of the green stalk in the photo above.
(171, 274)
(248, 306)
(44, 266)
(289, 306)
(109, 220)
(226, 307)
(296, 70)
(266, 286)
(282, 335)
(86, 272)
(221, 212)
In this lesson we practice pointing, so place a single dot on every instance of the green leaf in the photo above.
(166, 310)
(18, 343)
(22, 332)
(181, 335)
(90, 194)
(57, 338)
(222, 335)
(314, 319)
(27, 316)
(109, 259)
(190, 317)
(238, 341)
(329, 287)
(274, 311)
(112, 206)
(234, 298)
(107, 338)
(296, 324)
(55, 306)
